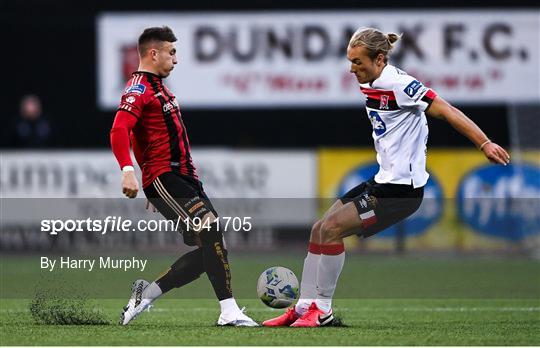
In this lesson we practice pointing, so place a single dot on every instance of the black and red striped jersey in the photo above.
(159, 139)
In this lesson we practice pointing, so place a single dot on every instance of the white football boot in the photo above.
(136, 303)
(236, 318)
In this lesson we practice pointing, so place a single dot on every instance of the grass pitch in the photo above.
(382, 300)
(369, 322)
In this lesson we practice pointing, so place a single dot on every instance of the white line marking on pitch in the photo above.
(362, 309)
(343, 309)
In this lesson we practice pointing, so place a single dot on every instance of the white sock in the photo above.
(152, 292)
(330, 267)
(308, 285)
(229, 305)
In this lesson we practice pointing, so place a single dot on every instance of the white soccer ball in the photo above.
(277, 287)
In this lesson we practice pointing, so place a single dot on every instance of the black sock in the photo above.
(215, 261)
(183, 271)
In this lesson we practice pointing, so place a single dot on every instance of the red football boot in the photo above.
(314, 317)
(286, 319)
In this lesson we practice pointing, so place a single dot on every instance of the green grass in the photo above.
(383, 300)
(377, 276)
(370, 322)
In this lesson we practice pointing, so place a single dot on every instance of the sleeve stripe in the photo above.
(429, 96)
(427, 100)
(129, 111)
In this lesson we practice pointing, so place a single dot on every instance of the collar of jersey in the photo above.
(147, 72)
(382, 72)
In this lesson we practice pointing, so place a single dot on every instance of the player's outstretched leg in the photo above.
(334, 227)
(308, 284)
(217, 268)
(320, 311)
(185, 270)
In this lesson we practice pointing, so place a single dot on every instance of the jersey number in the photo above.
(378, 124)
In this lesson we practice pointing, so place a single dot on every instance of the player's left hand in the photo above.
(496, 154)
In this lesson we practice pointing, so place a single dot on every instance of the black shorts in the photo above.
(175, 195)
(382, 205)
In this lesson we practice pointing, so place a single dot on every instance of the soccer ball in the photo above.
(278, 287)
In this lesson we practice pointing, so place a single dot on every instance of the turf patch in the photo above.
(49, 307)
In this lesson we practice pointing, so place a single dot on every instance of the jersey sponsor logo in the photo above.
(501, 201)
(379, 127)
(384, 102)
(412, 88)
(130, 99)
(427, 215)
(137, 89)
(170, 105)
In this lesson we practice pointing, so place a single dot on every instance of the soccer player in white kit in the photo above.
(396, 104)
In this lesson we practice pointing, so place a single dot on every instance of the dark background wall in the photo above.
(50, 48)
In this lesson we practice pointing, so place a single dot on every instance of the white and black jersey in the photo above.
(395, 104)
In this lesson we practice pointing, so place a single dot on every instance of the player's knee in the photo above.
(331, 229)
(315, 236)
(210, 235)
(209, 218)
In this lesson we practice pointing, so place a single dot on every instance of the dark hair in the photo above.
(153, 34)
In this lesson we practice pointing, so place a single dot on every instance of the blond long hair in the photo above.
(375, 41)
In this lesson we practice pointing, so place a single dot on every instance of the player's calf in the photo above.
(215, 261)
(183, 271)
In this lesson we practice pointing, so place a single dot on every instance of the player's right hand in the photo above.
(130, 185)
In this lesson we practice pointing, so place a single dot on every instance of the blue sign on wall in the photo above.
(428, 213)
(501, 201)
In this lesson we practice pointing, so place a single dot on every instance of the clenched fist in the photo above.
(130, 185)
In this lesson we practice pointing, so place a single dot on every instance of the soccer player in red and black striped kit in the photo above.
(150, 117)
